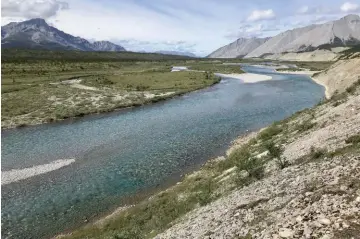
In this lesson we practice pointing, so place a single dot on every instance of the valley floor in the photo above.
(298, 178)
(49, 90)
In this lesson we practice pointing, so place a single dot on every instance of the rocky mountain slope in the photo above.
(36, 33)
(344, 32)
(238, 48)
(317, 55)
(106, 46)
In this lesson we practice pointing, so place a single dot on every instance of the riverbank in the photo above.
(139, 99)
(246, 77)
(261, 186)
(337, 78)
(55, 101)
(311, 75)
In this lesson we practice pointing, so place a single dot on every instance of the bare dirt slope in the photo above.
(340, 75)
(317, 55)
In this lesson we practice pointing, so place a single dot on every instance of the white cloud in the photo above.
(303, 10)
(150, 46)
(26, 9)
(349, 7)
(261, 15)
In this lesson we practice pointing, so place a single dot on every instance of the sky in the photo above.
(197, 26)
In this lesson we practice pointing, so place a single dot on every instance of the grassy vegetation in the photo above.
(33, 88)
(276, 153)
(217, 67)
(28, 55)
(305, 126)
(311, 65)
(270, 132)
(350, 53)
(290, 69)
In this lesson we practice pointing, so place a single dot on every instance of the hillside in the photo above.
(238, 48)
(342, 32)
(340, 76)
(37, 34)
(297, 44)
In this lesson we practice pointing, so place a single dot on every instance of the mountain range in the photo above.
(340, 33)
(37, 34)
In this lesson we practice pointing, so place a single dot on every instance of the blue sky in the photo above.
(198, 26)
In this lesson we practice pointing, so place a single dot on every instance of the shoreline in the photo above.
(327, 94)
(311, 75)
(149, 101)
(246, 77)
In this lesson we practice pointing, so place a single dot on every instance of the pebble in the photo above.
(324, 221)
(286, 233)
(307, 194)
(325, 237)
(345, 225)
(307, 231)
(299, 219)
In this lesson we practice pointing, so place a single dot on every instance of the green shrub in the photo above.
(269, 132)
(355, 139)
(352, 89)
(253, 166)
(337, 103)
(276, 152)
(316, 153)
(244, 161)
(305, 126)
(204, 195)
(141, 87)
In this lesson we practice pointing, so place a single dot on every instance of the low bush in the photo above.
(276, 153)
(317, 153)
(305, 126)
(244, 161)
(337, 103)
(269, 132)
(355, 139)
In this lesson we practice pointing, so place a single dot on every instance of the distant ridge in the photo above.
(238, 48)
(344, 32)
(37, 34)
(177, 53)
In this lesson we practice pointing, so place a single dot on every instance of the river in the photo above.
(125, 152)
